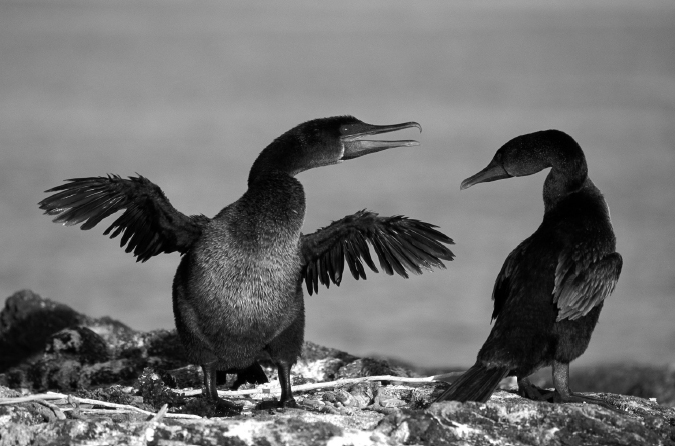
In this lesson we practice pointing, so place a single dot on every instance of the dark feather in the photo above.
(353, 261)
(502, 288)
(401, 244)
(362, 249)
(406, 258)
(424, 259)
(339, 262)
(382, 255)
(582, 282)
(476, 384)
(149, 224)
(330, 267)
(430, 246)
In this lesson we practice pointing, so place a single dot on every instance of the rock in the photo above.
(511, 417)
(25, 324)
(101, 361)
(318, 363)
(629, 379)
(51, 346)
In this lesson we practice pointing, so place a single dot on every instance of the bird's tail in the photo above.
(476, 384)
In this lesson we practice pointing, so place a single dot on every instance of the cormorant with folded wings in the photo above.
(549, 293)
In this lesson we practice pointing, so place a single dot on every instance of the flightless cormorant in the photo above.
(238, 289)
(551, 288)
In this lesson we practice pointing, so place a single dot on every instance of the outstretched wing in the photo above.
(149, 225)
(401, 244)
(583, 281)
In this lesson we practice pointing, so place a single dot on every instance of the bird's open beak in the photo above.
(493, 172)
(355, 146)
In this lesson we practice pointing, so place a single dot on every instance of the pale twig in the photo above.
(227, 393)
(326, 384)
(151, 425)
(442, 378)
(78, 400)
(159, 415)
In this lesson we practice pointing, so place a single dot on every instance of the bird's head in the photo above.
(531, 153)
(325, 141)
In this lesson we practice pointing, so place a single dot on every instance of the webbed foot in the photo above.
(563, 394)
(528, 390)
(224, 408)
(275, 404)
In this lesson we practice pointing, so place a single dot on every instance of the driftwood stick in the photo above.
(57, 396)
(151, 425)
(44, 397)
(326, 384)
(161, 414)
(40, 396)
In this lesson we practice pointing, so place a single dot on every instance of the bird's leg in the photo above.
(286, 399)
(284, 350)
(563, 394)
(528, 390)
(210, 392)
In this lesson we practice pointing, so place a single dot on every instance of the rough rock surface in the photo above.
(47, 346)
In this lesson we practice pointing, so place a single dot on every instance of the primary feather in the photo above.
(401, 244)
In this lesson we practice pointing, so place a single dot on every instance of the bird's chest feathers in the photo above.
(249, 261)
(248, 271)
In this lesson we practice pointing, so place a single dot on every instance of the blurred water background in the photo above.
(188, 92)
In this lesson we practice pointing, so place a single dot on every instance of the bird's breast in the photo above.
(247, 284)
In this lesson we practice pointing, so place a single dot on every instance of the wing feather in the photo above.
(149, 224)
(353, 261)
(338, 258)
(407, 258)
(401, 245)
(583, 281)
(363, 251)
(386, 261)
(323, 271)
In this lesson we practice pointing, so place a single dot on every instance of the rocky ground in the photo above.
(66, 378)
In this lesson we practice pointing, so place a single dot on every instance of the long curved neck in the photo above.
(277, 193)
(569, 173)
(280, 157)
(270, 212)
